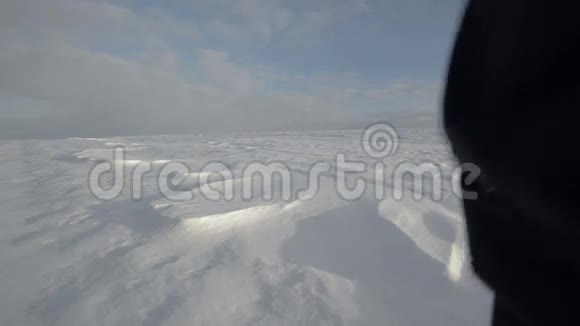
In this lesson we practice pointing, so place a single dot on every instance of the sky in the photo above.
(87, 68)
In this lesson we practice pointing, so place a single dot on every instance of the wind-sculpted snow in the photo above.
(68, 258)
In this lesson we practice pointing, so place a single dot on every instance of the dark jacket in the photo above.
(512, 107)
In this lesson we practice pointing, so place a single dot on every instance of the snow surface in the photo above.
(68, 258)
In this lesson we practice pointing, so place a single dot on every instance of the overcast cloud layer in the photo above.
(97, 68)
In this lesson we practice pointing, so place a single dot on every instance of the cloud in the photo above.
(220, 71)
(100, 91)
(268, 20)
(417, 90)
(94, 68)
(88, 23)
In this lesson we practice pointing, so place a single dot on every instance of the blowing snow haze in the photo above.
(126, 67)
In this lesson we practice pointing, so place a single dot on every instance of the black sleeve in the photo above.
(512, 107)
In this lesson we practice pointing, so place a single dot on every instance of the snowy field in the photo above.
(69, 258)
